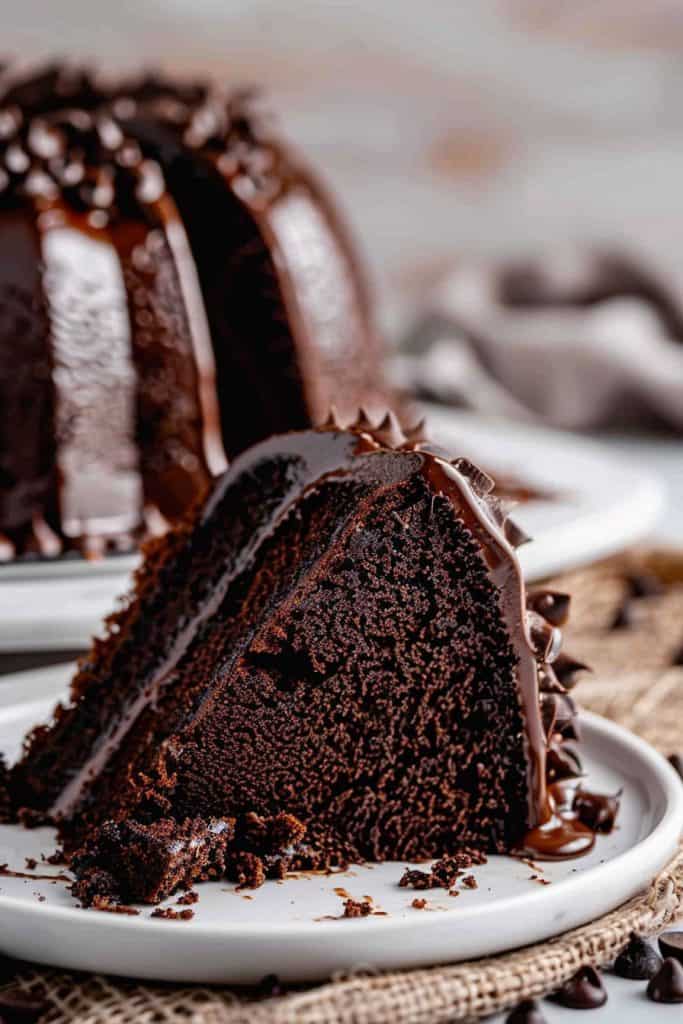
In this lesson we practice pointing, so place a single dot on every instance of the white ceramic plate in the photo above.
(285, 928)
(603, 505)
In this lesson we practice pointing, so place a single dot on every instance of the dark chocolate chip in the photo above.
(671, 944)
(667, 984)
(582, 992)
(552, 605)
(644, 584)
(528, 1012)
(270, 986)
(9, 969)
(625, 616)
(638, 961)
(17, 1007)
(596, 810)
(566, 669)
(676, 762)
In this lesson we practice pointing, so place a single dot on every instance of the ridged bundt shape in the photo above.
(180, 287)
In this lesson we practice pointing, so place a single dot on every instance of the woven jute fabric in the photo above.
(636, 681)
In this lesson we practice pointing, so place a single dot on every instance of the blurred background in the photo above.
(456, 133)
(447, 127)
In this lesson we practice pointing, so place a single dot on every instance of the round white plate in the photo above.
(602, 504)
(294, 929)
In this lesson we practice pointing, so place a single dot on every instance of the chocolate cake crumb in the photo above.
(169, 914)
(357, 908)
(31, 818)
(56, 858)
(414, 879)
(107, 905)
(31, 863)
(246, 869)
(444, 872)
(470, 882)
(134, 862)
(419, 903)
(267, 847)
(95, 885)
(187, 899)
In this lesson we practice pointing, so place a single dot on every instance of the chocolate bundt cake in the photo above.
(335, 660)
(175, 285)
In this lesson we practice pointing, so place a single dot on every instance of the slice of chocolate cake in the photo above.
(341, 637)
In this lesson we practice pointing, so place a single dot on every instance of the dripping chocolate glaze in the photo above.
(314, 457)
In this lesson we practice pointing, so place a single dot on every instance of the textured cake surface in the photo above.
(342, 637)
(180, 287)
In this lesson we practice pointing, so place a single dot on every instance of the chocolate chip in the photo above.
(644, 584)
(638, 960)
(21, 1008)
(667, 984)
(676, 762)
(553, 606)
(596, 810)
(567, 668)
(558, 714)
(9, 969)
(270, 986)
(671, 944)
(528, 1012)
(625, 616)
(582, 992)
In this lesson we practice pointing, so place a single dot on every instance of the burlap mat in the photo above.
(634, 683)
